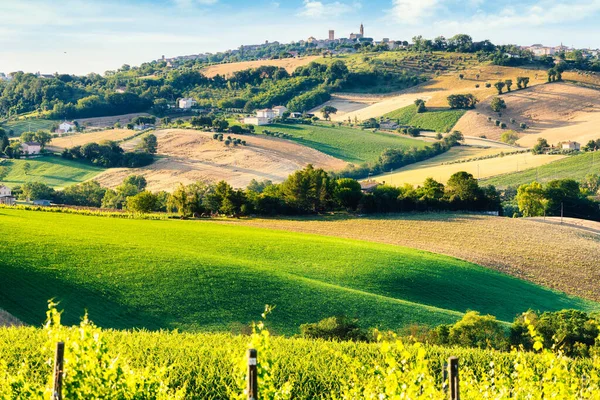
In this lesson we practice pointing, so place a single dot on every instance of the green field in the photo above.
(574, 167)
(30, 125)
(213, 276)
(348, 144)
(51, 170)
(434, 120)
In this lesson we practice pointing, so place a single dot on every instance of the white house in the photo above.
(257, 121)
(570, 145)
(6, 196)
(279, 110)
(265, 113)
(187, 103)
(66, 126)
(31, 148)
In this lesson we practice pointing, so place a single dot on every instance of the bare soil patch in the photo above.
(189, 156)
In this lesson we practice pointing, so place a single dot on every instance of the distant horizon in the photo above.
(81, 37)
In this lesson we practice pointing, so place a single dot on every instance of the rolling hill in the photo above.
(210, 276)
(51, 170)
(573, 167)
(348, 144)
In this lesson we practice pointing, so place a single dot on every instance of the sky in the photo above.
(83, 36)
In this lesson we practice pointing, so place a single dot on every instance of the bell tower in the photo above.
(362, 30)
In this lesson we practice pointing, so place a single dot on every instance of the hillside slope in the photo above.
(554, 256)
(210, 276)
(290, 64)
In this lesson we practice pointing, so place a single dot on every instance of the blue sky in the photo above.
(82, 36)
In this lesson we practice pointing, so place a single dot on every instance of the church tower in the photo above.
(362, 30)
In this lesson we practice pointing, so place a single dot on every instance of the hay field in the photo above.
(434, 91)
(416, 174)
(85, 138)
(110, 121)
(189, 156)
(557, 112)
(559, 257)
(290, 65)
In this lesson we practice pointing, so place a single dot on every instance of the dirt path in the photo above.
(189, 156)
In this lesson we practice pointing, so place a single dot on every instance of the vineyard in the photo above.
(170, 365)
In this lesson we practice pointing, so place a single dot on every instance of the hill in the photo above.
(432, 120)
(442, 167)
(557, 112)
(227, 69)
(28, 125)
(188, 156)
(211, 276)
(555, 256)
(81, 139)
(434, 91)
(51, 170)
(573, 167)
(349, 144)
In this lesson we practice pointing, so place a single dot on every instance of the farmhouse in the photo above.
(66, 126)
(279, 110)
(31, 148)
(369, 186)
(257, 121)
(266, 113)
(6, 196)
(187, 103)
(570, 145)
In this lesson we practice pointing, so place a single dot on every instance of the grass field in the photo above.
(434, 120)
(51, 170)
(33, 125)
(210, 276)
(417, 173)
(574, 167)
(348, 144)
(555, 256)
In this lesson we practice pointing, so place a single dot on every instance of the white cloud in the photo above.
(319, 9)
(412, 12)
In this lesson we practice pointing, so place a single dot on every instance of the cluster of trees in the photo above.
(462, 101)
(573, 332)
(565, 197)
(109, 154)
(395, 158)
(592, 145)
(12, 149)
(555, 74)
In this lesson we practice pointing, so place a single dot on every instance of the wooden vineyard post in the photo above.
(453, 378)
(252, 388)
(58, 371)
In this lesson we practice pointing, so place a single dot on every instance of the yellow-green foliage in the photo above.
(143, 365)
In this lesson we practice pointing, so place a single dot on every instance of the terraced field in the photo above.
(210, 276)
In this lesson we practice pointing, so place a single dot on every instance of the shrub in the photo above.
(334, 328)
(497, 104)
(474, 330)
(523, 125)
(227, 142)
(488, 85)
(497, 122)
(503, 125)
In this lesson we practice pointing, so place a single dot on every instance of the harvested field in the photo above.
(84, 138)
(290, 65)
(190, 156)
(103, 122)
(510, 245)
(557, 112)
(434, 91)
(416, 174)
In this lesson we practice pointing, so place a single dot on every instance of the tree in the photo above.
(530, 199)
(26, 168)
(37, 191)
(463, 186)
(420, 104)
(591, 184)
(522, 82)
(508, 83)
(149, 144)
(462, 101)
(540, 146)
(334, 328)
(327, 111)
(509, 137)
(143, 202)
(475, 330)
(308, 190)
(347, 193)
(497, 104)
(499, 86)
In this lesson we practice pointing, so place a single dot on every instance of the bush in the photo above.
(497, 122)
(334, 328)
(503, 125)
(227, 142)
(523, 125)
(497, 104)
(488, 85)
(475, 330)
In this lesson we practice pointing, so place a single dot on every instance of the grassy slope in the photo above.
(209, 276)
(51, 170)
(348, 144)
(575, 167)
(33, 125)
(435, 120)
